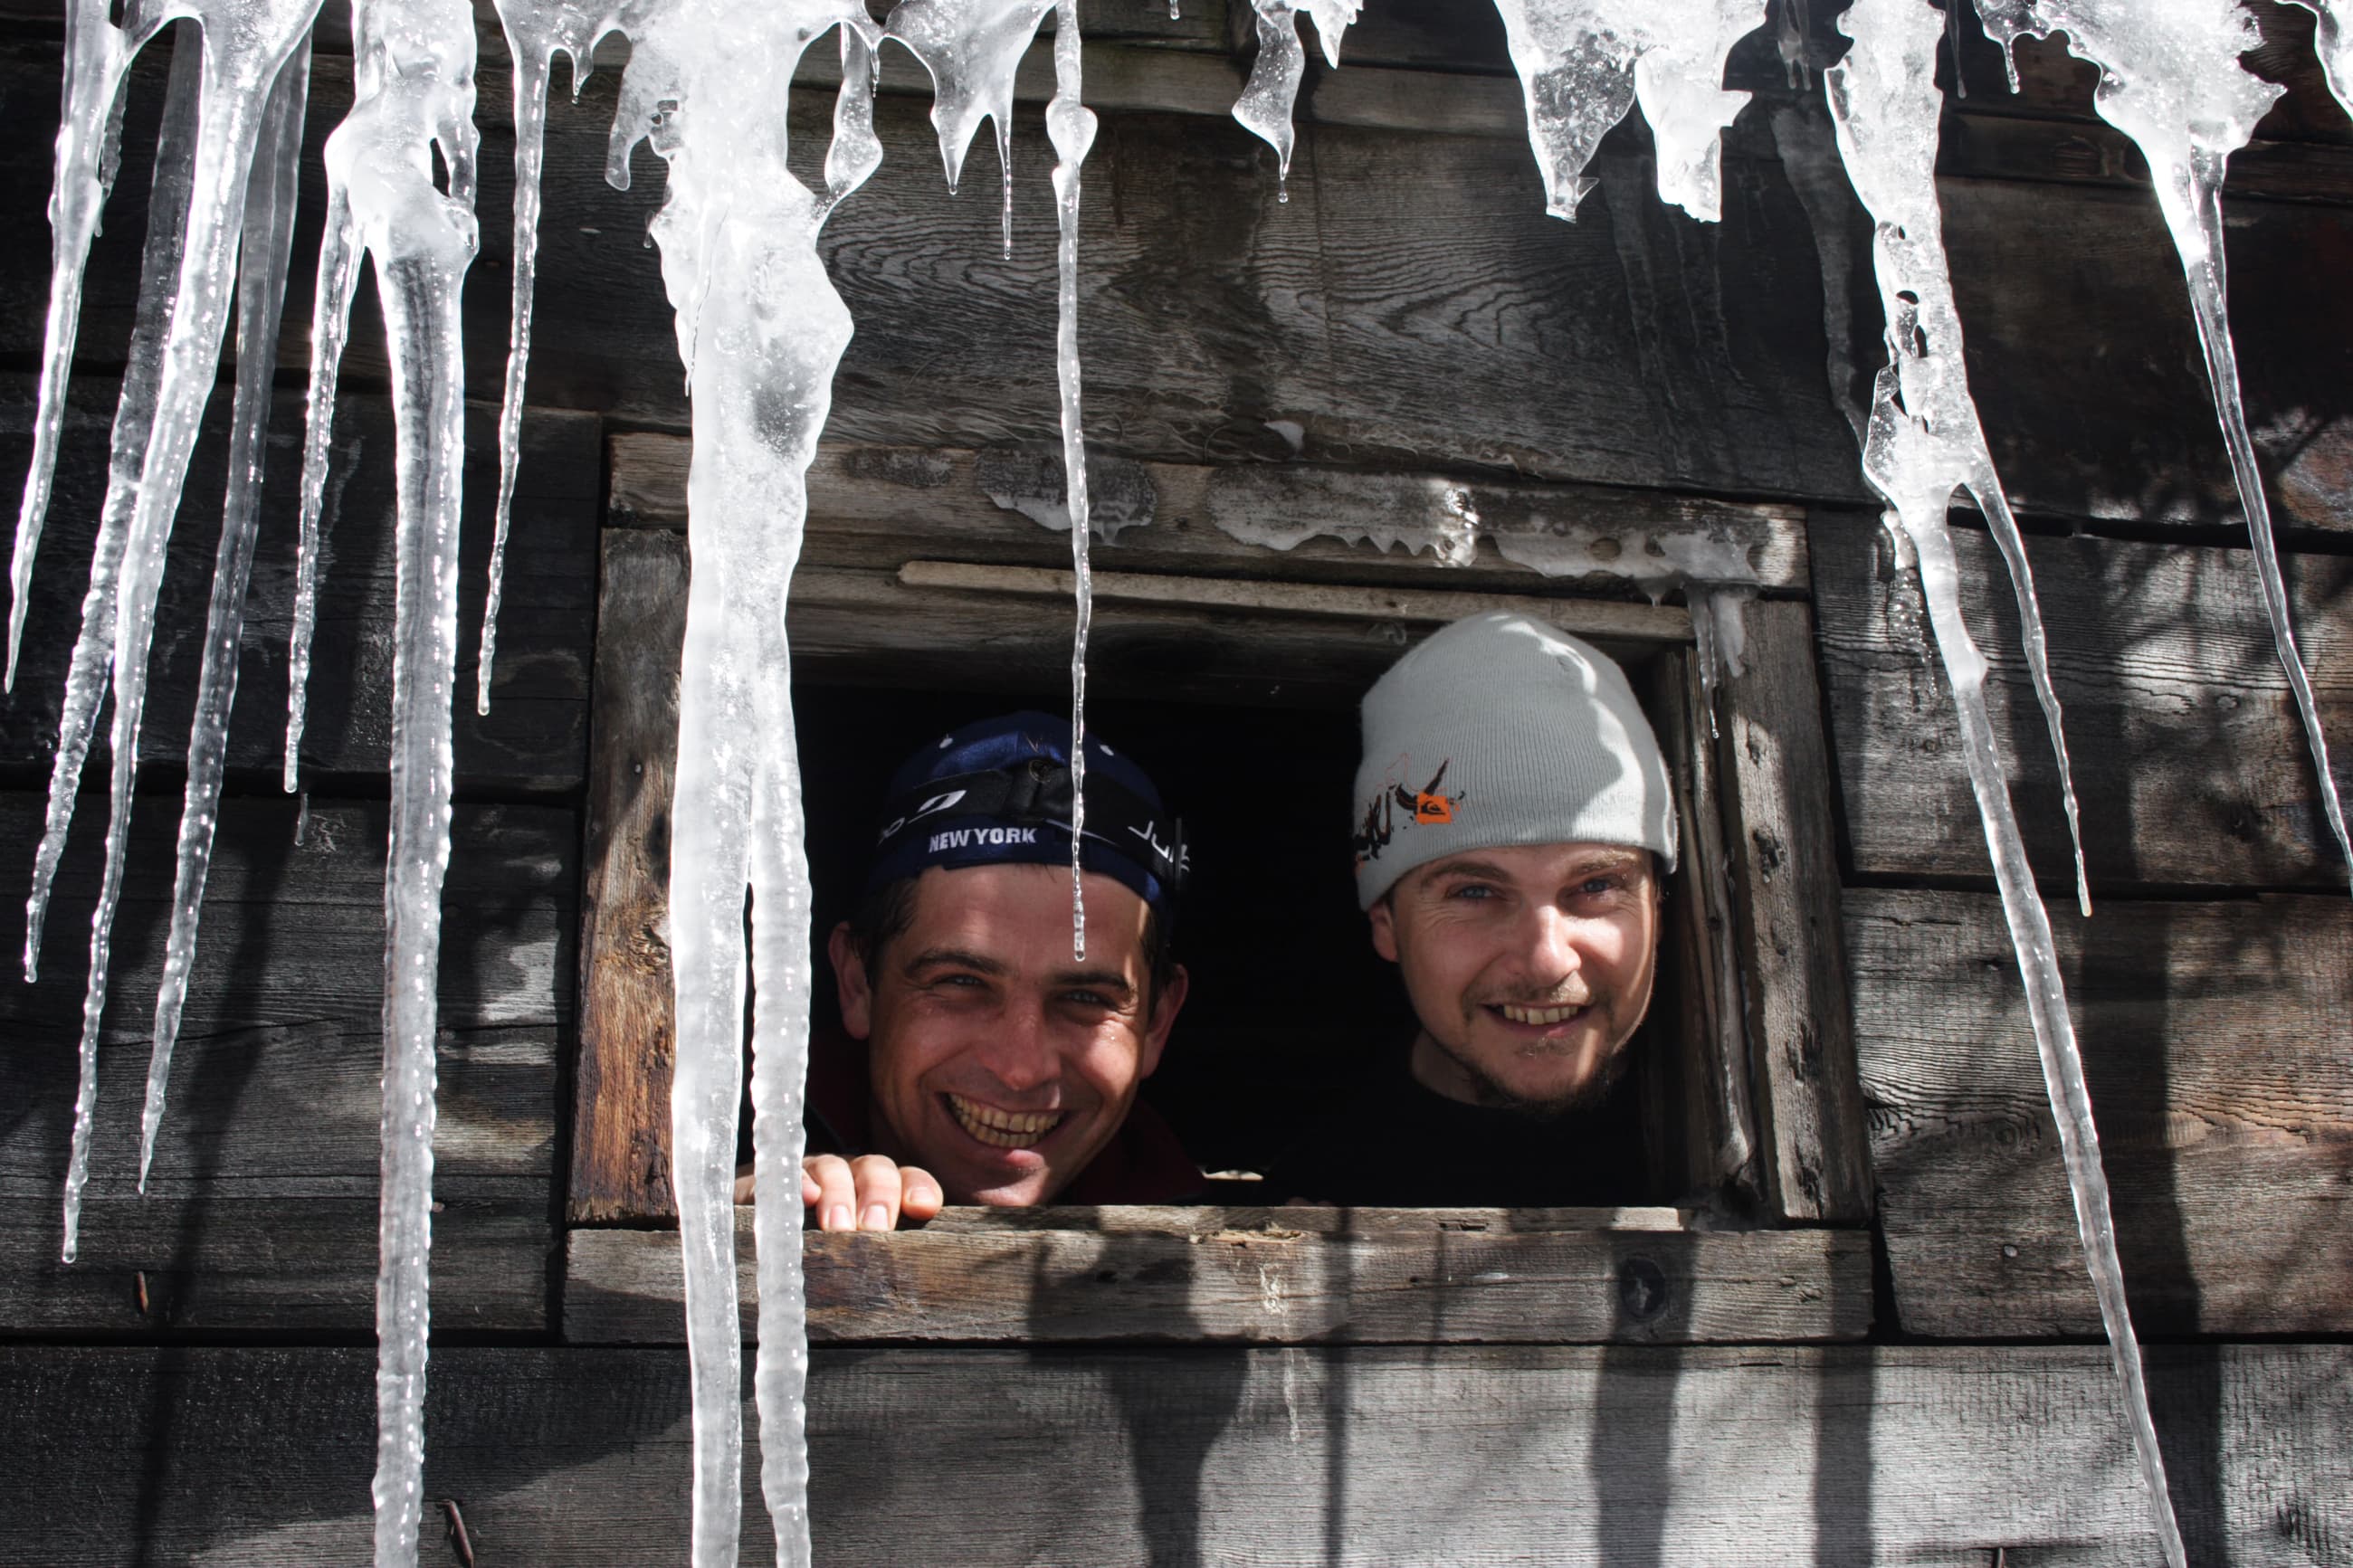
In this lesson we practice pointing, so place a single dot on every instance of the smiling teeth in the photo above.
(1538, 1014)
(1003, 1129)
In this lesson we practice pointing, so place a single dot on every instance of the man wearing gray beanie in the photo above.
(1513, 826)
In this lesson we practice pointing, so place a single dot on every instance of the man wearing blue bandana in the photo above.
(997, 1067)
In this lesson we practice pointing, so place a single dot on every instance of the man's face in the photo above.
(997, 1062)
(1529, 966)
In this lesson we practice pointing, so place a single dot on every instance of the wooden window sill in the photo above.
(1266, 1276)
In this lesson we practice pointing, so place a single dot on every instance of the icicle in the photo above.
(972, 48)
(1070, 126)
(98, 54)
(2334, 43)
(2171, 79)
(245, 49)
(269, 228)
(1922, 444)
(760, 329)
(1583, 63)
(413, 71)
(134, 425)
(1884, 104)
(1264, 108)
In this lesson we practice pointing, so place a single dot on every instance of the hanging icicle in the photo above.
(1924, 443)
(266, 251)
(2171, 79)
(1265, 106)
(1584, 63)
(760, 330)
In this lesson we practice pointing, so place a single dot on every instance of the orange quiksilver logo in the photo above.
(1430, 810)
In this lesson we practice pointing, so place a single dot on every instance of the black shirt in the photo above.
(1397, 1144)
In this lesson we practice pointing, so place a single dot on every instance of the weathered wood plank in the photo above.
(873, 506)
(1784, 870)
(261, 1211)
(1724, 1457)
(620, 1127)
(1258, 1276)
(2190, 762)
(872, 628)
(1412, 307)
(2218, 1041)
(1209, 311)
(1605, 620)
(534, 736)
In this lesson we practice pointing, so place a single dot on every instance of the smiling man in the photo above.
(1514, 826)
(998, 1068)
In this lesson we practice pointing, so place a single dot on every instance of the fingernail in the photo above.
(923, 1196)
(878, 1218)
(837, 1218)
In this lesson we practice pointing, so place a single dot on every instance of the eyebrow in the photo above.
(1100, 979)
(935, 957)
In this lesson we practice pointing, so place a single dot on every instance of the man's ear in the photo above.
(1167, 1001)
(1383, 916)
(851, 984)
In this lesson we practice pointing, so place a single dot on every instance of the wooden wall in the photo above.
(1408, 328)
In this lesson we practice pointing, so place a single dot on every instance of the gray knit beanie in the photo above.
(1501, 729)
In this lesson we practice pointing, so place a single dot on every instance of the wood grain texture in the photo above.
(534, 736)
(1260, 1276)
(1411, 307)
(1783, 868)
(261, 1212)
(1720, 1457)
(880, 506)
(2190, 762)
(620, 1139)
(2216, 1039)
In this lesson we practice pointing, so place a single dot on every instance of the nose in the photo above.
(1021, 1051)
(1547, 945)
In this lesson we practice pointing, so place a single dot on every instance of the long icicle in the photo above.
(269, 204)
(97, 55)
(1923, 442)
(537, 31)
(2172, 80)
(1070, 126)
(413, 69)
(761, 329)
(1884, 105)
(242, 56)
(92, 659)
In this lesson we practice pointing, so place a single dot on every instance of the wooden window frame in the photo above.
(1766, 1071)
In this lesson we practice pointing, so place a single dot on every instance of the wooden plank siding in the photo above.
(2190, 762)
(1632, 347)
(2214, 1042)
(1353, 1455)
(261, 1215)
(535, 736)
(1288, 1276)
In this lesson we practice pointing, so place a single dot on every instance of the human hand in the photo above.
(869, 1193)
